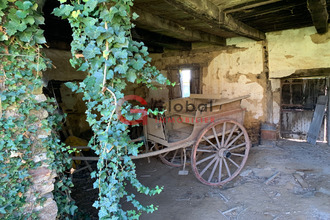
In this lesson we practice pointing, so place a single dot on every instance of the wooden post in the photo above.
(328, 111)
(319, 13)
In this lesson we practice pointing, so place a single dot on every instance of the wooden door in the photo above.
(298, 101)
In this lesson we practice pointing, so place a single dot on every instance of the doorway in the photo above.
(298, 100)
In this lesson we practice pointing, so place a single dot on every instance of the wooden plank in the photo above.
(328, 115)
(249, 5)
(205, 96)
(318, 116)
(219, 100)
(176, 30)
(155, 39)
(155, 128)
(212, 15)
(319, 13)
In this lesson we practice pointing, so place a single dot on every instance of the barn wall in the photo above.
(239, 71)
(291, 51)
(255, 68)
(297, 49)
(230, 72)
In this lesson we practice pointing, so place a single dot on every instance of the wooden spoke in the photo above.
(205, 159)
(230, 135)
(208, 165)
(216, 137)
(227, 168)
(205, 138)
(233, 162)
(207, 151)
(239, 155)
(235, 139)
(164, 155)
(173, 158)
(236, 146)
(174, 155)
(213, 170)
(210, 154)
(220, 170)
(223, 135)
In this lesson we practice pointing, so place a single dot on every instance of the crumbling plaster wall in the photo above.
(232, 71)
(169, 59)
(291, 51)
(239, 71)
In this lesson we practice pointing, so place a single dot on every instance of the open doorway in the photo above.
(298, 100)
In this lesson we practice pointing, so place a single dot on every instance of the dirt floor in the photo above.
(281, 180)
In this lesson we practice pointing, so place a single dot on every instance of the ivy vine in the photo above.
(23, 133)
(102, 45)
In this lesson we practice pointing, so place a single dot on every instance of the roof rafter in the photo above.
(155, 39)
(210, 13)
(173, 29)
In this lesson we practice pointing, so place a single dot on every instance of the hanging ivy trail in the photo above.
(25, 129)
(102, 45)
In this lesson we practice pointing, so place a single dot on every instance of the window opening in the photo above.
(185, 77)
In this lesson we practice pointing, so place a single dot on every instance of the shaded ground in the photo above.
(300, 188)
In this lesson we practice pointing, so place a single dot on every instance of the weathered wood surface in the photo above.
(328, 115)
(212, 15)
(173, 29)
(319, 13)
(318, 116)
(154, 39)
(251, 5)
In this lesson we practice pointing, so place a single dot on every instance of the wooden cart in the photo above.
(205, 128)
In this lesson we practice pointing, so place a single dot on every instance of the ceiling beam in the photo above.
(155, 39)
(173, 29)
(319, 13)
(249, 5)
(210, 13)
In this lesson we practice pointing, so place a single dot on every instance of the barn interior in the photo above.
(275, 51)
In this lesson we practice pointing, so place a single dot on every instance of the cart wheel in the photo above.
(174, 158)
(220, 152)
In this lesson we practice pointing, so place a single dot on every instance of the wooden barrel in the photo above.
(268, 132)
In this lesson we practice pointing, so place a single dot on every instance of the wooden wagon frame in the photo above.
(206, 128)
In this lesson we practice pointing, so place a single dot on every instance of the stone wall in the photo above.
(42, 177)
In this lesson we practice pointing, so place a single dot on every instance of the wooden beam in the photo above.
(211, 14)
(267, 10)
(328, 110)
(173, 29)
(319, 13)
(249, 5)
(155, 39)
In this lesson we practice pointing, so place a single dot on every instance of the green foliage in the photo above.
(101, 33)
(20, 66)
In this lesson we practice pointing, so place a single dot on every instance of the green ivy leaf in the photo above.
(25, 36)
(90, 5)
(63, 10)
(121, 68)
(39, 39)
(30, 20)
(131, 76)
(39, 19)
(134, 16)
(91, 50)
(83, 67)
(23, 5)
(21, 14)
